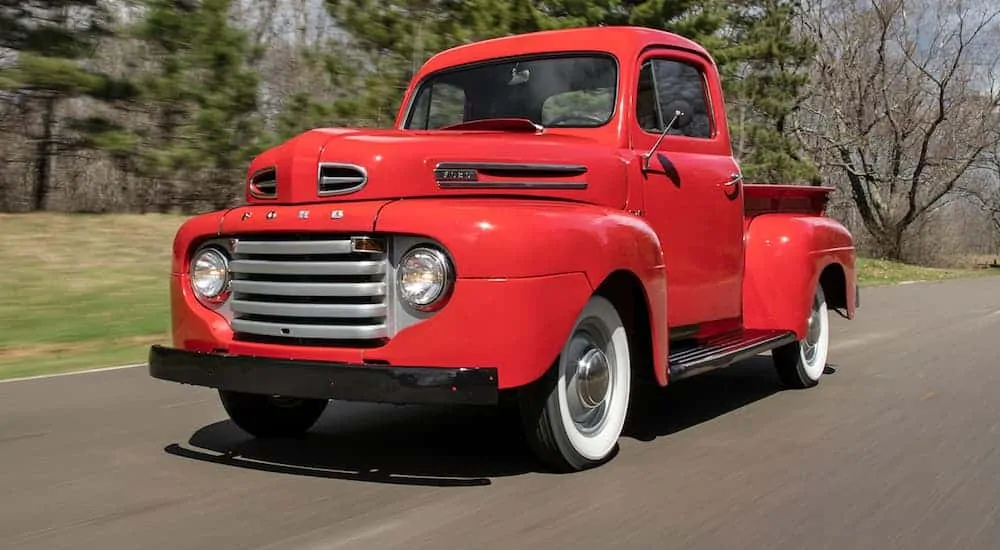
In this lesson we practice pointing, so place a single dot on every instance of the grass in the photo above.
(873, 272)
(84, 291)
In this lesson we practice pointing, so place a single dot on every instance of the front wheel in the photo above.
(574, 415)
(266, 416)
(801, 364)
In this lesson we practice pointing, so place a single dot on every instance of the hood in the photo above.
(331, 165)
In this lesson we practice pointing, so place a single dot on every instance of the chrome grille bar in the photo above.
(308, 268)
(317, 332)
(308, 290)
(244, 248)
(278, 309)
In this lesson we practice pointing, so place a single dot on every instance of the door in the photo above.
(692, 189)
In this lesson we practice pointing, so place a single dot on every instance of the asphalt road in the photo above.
(897, 448)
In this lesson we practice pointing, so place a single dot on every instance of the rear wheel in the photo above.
(574, 415)
(267, 416)
(801, 364)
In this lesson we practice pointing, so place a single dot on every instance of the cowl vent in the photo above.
(339, 179)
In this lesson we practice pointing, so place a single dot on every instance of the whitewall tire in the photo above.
(574, 416)
(801, 364)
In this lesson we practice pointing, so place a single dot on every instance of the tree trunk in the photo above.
(43, 156)
(891, 244)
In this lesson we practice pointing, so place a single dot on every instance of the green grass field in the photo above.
(882, 272)
(84, 291)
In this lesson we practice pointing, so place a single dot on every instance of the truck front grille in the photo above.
(309, 290)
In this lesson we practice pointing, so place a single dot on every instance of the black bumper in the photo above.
(326, 380)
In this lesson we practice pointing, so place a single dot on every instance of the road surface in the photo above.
(897, 448)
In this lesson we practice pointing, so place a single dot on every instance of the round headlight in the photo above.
(210, 274)
(424, 278)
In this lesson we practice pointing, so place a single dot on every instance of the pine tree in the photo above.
(202, 98)
(765, 84)
(752, 42)
(52, 41)
(393, 38)
(760, 59)
(704, 21)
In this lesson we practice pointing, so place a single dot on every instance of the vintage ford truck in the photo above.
(556, 218)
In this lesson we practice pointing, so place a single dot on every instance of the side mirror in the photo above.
(678, 115)
(678, 105)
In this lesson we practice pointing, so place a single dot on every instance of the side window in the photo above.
(439, 105)
(662, 82)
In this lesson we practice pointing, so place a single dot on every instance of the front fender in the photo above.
(511, 238)
(785, 256)
(193, 229)
(525, 238)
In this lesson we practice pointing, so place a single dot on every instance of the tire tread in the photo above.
(542, 427)
(256, 415)
(788, 363)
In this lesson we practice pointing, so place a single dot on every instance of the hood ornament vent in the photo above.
(263, 184)
(339, 179)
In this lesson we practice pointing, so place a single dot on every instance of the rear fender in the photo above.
(521, 238)
(787, 255)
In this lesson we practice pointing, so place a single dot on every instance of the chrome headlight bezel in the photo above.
(439, 264)
(219, 260)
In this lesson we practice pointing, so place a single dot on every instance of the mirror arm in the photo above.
(649, 154)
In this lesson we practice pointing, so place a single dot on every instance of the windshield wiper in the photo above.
(512, 124)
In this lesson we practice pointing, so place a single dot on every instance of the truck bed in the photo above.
(761, 198)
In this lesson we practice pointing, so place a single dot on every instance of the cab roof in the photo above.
(621, 41)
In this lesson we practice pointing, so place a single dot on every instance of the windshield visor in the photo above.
(565, 91)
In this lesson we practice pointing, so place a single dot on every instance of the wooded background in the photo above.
(158, 105)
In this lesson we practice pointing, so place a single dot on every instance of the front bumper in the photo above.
(326, 380)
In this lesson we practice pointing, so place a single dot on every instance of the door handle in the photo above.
(735, 178)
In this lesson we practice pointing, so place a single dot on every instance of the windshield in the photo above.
(569, 91)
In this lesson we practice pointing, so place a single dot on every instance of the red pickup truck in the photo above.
(556, 217)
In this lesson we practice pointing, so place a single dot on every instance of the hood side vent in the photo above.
(263, 184)
(465, 175)
(340, 179)
(512, 170)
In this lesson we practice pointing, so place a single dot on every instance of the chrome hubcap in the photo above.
(813, 329)
(592, 378)
(589, 376)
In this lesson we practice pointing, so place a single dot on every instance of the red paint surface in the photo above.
(698, 219)
(786, 254)
(487, 322)
(527, 260)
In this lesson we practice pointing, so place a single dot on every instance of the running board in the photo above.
(720, 351)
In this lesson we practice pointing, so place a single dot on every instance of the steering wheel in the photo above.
(576, 116)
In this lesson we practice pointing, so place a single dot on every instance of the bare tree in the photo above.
(902, 105)
(983, 188)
